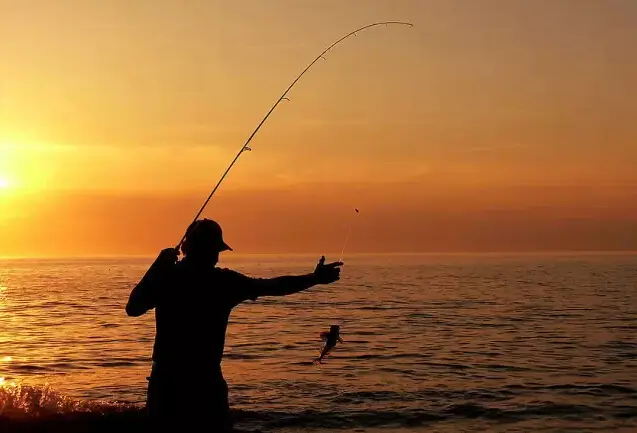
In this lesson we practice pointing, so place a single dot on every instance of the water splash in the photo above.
(18, 401)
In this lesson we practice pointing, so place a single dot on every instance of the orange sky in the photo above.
(489, 126)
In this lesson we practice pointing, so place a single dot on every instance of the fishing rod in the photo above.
(246, 148)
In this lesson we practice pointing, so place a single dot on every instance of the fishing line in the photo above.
(349, 232)
(246, 148)
(337, 320)
(341, 321)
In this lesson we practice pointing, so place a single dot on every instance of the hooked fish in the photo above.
(330, 337)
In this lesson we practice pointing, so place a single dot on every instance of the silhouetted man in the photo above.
(193, 299)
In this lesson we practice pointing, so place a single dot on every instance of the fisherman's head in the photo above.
(204, 241)
(335, 328)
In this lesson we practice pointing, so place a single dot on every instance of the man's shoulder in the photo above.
(231, 274)
(242, 287)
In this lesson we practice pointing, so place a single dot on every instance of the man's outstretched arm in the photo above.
(287, 285)
(143, 297)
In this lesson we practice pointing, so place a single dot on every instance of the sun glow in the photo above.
(25, 167)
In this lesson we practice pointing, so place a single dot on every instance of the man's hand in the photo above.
(168, 255)
(166, 259)
(326, 274)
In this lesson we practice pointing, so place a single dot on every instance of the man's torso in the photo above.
(192, 313)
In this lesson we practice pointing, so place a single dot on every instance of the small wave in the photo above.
(594, 389)
(303, 363)
(387, 356)
(420, 316)
(241, 356)
(506, 367)
(362, 396)
(115, 364)
(30, 368)
(376, 308)
(603, 388)
(366, 333)
(432, 394)
(620, 344)
(67, 366)
(546, 409)
(350, 420)
(622, 327)
(449, 365)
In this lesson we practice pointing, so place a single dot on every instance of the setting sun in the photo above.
(4, 184)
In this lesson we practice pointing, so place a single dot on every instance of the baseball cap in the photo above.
(205, 233)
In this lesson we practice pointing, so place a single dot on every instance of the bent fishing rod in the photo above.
(246, 148)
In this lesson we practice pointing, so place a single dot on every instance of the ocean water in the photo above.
(445, 343)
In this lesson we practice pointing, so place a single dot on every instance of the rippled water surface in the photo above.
(435, 343)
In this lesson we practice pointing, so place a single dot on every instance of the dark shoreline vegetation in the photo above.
(131, 420)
